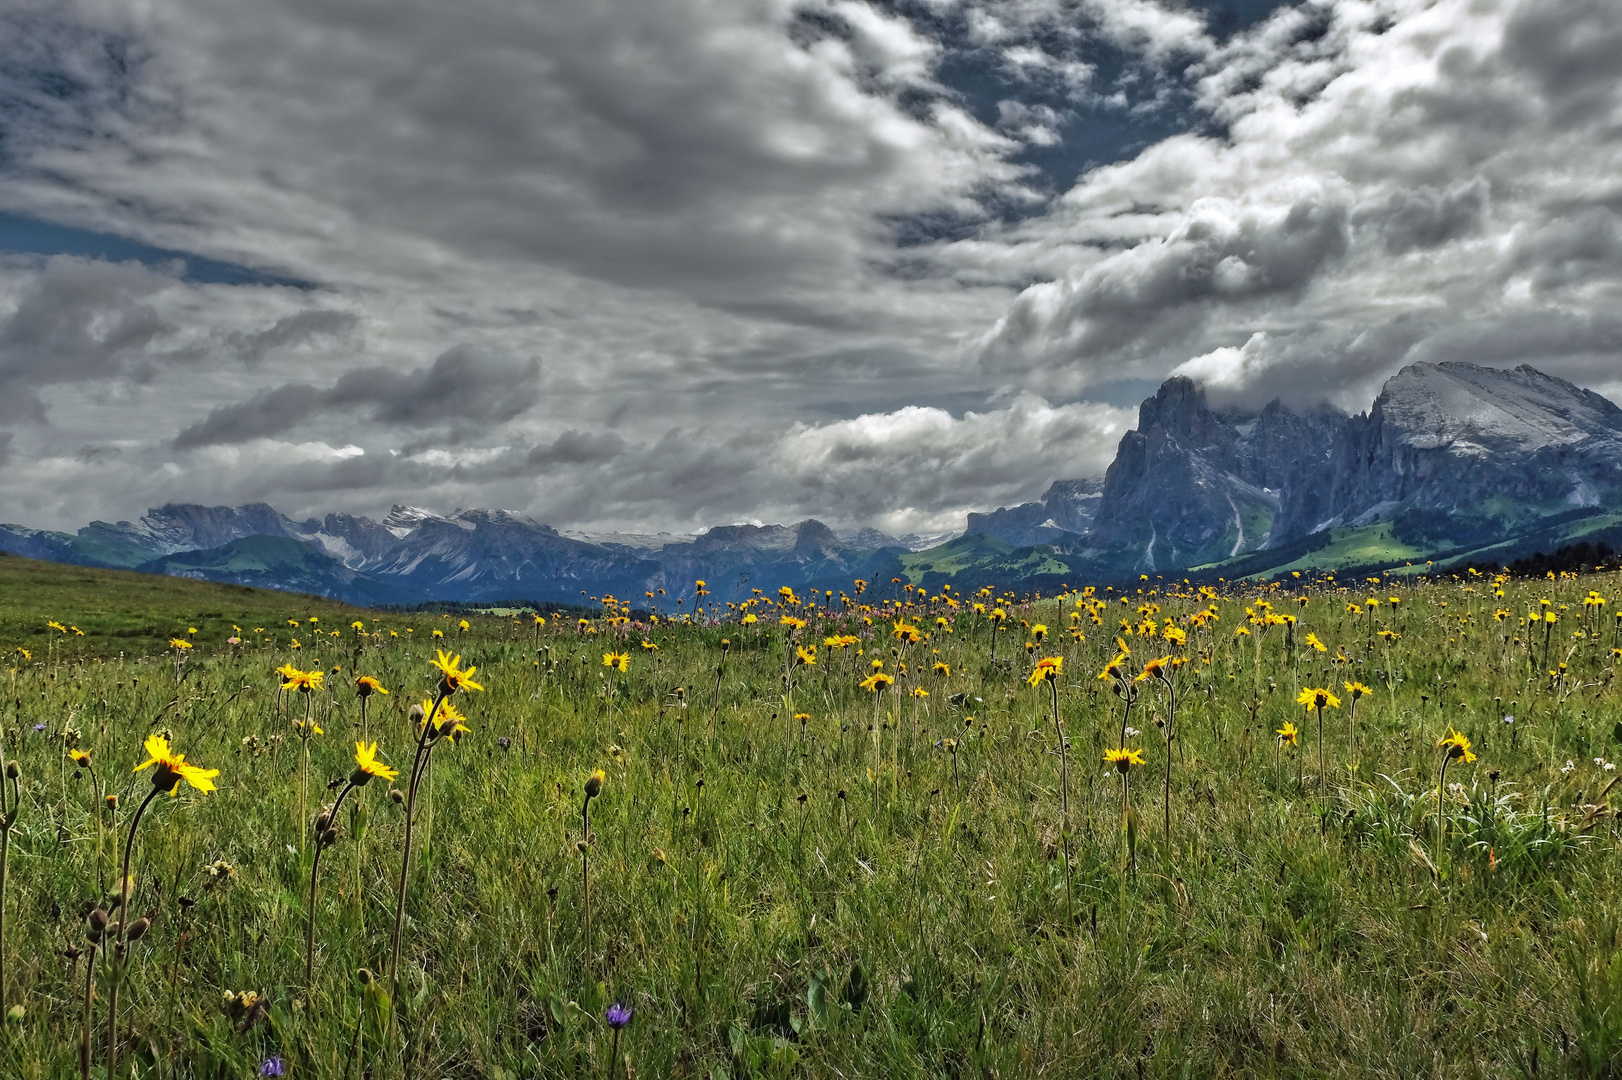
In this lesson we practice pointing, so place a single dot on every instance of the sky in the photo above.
(665, 266)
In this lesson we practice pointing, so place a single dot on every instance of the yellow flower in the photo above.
(80, 758)
(594, 784)
(1457, 746)
(447, 715)
(172, 768)
(1317, 699)
(367, 766)
(179, 643)
(1047, 669)
(1039, 631)
(617, 661)
(302, 681)
(464, 625)
(919, 691)
(451, 673)
(1289, 734)
(1357, 690)
(366, 686)
(1115, 669)
(1123, 759)
(1155, 668)
(792, 623)
(877, 681)
(806, 656)
(1312, 639)
(942, 668)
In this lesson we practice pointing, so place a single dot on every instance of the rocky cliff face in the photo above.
(1194, 485)
(1482, 444)
(1065, 512)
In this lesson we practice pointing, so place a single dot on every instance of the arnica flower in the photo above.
(594, 783)
(1154, 668)
(942, 668)
(617, 661)
(172, 768)
(366, 686)
(80, 758)
(1047, 669)
(302, 681)
(1115, 669)
(1289, 734)
(367, 766)
(1317, 699)
(1457, 746)
(877, 681)
(448, 720)
(1123, 759)
(452, 675)
(1357, 690)
(806, 656)
(1318, 646)
(179, 643)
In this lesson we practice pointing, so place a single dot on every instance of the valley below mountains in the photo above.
(1453, 462)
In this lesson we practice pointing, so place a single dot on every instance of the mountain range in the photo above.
(1453, 461)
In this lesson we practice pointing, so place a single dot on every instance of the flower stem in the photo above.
(309, 929)
(123, 926)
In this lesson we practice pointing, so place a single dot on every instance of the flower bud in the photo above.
(416, 714)
(365, 976)
(322, 820)
(12, 770)
(329, 838)
(138, 928)
(96, 924)
(397, 795)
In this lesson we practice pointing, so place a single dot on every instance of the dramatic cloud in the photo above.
(875, 262)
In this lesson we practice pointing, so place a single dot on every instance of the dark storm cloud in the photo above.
(1424, 216)
(461, 384)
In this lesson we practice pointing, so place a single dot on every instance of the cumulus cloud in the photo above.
(784, 258)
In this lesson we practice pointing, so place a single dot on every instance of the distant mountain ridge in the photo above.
(1454, 460)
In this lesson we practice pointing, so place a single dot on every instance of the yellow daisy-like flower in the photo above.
(80, 758)
(877, 681)
(1318, 646)
(452, 674)
(449, 715)
(172, 768)
(302, 681)
(367, 766)
(1317, 699)
(1289, 734)
(1047, 669)
(1457, 746)
(594, 782)
(1124, 758)
(179, 643)
(1357, 690)
(806, 656)
(617, 661)
(366, 686)
(1154, 668)
(942, 668)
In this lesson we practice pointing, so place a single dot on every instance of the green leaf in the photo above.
(816, 998)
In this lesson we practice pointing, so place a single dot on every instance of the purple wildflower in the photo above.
(39, 727)
(619, 1015)
(272, 1066)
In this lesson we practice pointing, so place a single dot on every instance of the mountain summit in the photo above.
(1453, 460)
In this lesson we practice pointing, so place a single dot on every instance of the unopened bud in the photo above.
(416, 714)
(329, 838)
(397, 795)
(12, 770)
(322, 820)
(96, 925)
(137, 928)
(365, 976)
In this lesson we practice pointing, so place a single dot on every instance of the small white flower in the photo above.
(1567, 767)
(1132, 732)
(1599, 761)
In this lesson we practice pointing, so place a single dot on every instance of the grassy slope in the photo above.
(1285, 928)
(124, 612)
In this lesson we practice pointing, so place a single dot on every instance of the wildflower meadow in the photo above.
(1303, 827)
